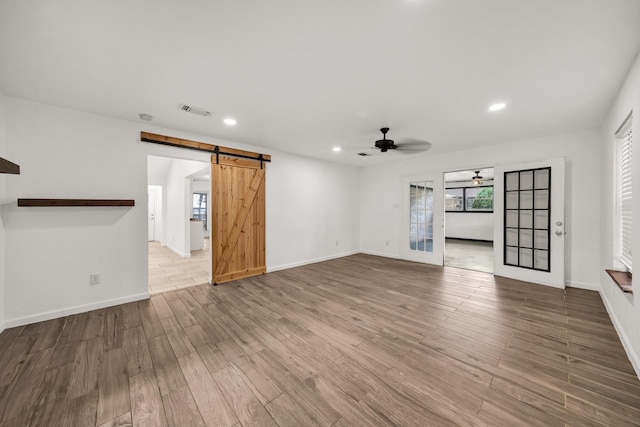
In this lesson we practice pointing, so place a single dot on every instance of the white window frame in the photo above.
(624, 193)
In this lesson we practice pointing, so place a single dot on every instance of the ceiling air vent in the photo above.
(194, 110)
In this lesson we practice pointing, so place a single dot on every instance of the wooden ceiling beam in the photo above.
(201, 146)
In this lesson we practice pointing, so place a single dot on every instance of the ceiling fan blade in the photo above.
(411, 150)
(424, 146)
(412, 141)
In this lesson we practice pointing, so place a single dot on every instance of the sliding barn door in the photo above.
(238, 218)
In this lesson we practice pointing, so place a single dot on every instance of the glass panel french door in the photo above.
(422, 224)
(529, 222)
(421, 216)
(527, 216)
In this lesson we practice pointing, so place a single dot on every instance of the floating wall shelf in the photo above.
(73, 202)
(8, 167)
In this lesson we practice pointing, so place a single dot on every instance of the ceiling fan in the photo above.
(406, 146)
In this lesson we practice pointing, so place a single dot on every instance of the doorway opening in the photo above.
(179, 254)
(469, 219)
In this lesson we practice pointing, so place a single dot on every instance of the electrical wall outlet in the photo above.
(94, 279)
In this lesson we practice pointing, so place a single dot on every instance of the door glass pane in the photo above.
(421, 216)
(511, 256)
(512, 237)
(526, 258)
(527, 214)
(526, 238)
(542, 220)
(541, 239)
(511, 181)
(512, 200)
(526, 180)
(542, 178)
(541, 260)
(541, 199)
(526, 219)
(526, 200)
(512, 219)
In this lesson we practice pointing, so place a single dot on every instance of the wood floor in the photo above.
(169, 271)
(357, 341)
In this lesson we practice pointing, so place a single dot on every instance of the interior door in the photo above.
(529, 222)
(423, 219)
(151, 219)
(237, 229)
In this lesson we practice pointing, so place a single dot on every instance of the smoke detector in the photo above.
(194, 110)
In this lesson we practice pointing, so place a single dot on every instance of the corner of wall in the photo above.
(2, 197)
(623, 308)
(624, 338)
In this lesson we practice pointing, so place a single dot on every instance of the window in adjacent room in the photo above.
(469, 199)
(624, 193)
(199, 208)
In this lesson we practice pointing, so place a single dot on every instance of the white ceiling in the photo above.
(304, 76)
(467, 175)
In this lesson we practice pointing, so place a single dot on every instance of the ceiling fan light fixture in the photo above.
(477, 179)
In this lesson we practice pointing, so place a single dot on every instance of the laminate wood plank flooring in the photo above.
(169, 271)
(356, 341)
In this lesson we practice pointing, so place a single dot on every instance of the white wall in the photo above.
(380, 212)
(69, 154)
(469, 225)
(312, 211)
(179, 204)
(623, 308)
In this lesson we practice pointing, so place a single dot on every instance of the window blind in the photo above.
(625, 191)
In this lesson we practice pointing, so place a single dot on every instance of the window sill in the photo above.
(622, 279)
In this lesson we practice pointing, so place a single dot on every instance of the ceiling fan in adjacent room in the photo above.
(404, 146)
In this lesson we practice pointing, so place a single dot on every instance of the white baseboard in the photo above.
(183, 255)
(309, 261)
(54, 314)
(1, 327)
(582, 285)
(382, 254)
(632, 355)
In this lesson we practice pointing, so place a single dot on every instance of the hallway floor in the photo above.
(168, 271)
(469, 254)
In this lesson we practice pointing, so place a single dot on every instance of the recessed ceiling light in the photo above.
(336, 149)
(497, 107)
(229, 121)
(146, 117)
